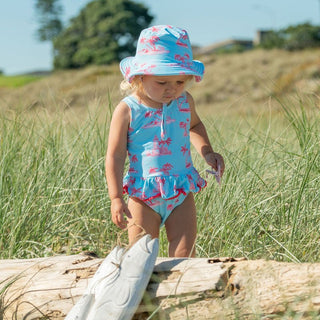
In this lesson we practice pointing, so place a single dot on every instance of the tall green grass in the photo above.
(53, 195)
(269, 203)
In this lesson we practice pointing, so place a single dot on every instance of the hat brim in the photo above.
(130, 68)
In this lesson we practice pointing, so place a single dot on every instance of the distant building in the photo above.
(261, 35)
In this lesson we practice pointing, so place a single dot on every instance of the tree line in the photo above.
(105, 31)
(296, 37)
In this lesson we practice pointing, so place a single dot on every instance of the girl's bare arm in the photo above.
(200, 140)
(115, 161)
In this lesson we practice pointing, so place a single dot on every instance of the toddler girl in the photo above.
(154, 126)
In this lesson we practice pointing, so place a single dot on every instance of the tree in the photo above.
(48, 12)
(296, 37)
(105, 31)
(302, 36)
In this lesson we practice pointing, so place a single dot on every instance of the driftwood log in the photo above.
(47, 288)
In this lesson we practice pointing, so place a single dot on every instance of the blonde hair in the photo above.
(190, 82)
(135, 85)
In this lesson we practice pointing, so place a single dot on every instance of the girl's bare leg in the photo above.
(181, 227)
(144, 219)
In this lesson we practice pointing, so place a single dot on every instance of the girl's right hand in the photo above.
(118, 209)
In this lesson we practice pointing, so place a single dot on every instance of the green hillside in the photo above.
(244, 81)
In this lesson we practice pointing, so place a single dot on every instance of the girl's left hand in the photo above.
(215, 161)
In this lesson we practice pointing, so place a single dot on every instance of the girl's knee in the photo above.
(180, 249)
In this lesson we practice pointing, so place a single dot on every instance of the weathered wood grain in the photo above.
(197, 288)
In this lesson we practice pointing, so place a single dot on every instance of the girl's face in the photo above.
(163, 89)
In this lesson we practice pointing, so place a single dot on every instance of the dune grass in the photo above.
(53, 195)
(268, 206)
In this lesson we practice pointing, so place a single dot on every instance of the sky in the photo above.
(207, 22)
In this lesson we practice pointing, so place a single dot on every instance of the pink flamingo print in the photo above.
(136, 191)
(158, 149)
(152, 194)
(153, 170)
(166, 168)
(134, 158)
(154, 203)
(157, 119)
(151, 124)
(148, 69)
(185, 59)
(183, 125)
(182, 38)
(127, 72)
(155, 29)
(170, 207)
(150, 46)
(188, 164)
(169, 120)
(132, 180)
(181, 101)
(148, 114)
(132, 170)
(150, 42)
(167, 142)
(192, 185)
(184, 149)
(162, 182)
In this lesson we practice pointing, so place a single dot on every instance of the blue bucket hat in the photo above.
(162, 51)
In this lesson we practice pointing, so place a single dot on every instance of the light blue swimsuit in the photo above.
(161, 172)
